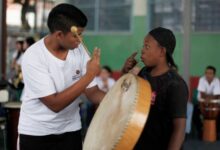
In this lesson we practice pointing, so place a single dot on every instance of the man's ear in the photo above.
(58, 34)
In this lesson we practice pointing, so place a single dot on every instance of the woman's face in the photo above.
(25, 45)
(151, 51)
(19, 46)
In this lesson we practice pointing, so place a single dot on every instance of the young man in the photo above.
(56, 71)
(209, 85)
(208, 89)
(165, 127)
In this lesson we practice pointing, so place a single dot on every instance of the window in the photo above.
(166, 13)
(206, 15)
(106, 15)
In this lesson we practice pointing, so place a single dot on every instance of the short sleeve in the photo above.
(177, 99)
(217, 87)
(201, 85)
(14, 55)
(37, 80)
(85, 59)
(111, 82)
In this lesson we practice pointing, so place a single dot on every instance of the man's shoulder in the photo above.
(216, 79)
(202, 78)
(36, 48)
(35, 53)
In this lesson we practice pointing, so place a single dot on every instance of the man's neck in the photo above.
(54, 48)
(210, 81)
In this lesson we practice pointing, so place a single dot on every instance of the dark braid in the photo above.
(171, 62)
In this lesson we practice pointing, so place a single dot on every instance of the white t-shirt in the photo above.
(204, 86)
(19, 60)
(14, 54)
(44, 74)
(100, 83)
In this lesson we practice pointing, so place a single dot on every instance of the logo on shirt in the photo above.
(76, 75)
(77, 71)
(153, 97)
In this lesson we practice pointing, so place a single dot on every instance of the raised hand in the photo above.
(93, 65)
(130, 63)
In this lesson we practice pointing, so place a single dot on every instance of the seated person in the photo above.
(104, 81)
(209, 85)
(209, 89)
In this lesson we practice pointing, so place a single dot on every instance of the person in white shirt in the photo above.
(209, 85)
(209, 89)
(17, 54)
(104, 80)
(56, 71)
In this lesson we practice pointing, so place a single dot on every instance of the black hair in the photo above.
(108, 69)
(21, 50)
(20, 42)
(30, 40)
(166, 39)
(63, 16)
(211, 68)
(171, 62)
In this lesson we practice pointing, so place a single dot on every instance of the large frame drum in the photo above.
(210, 111)
(121, 116)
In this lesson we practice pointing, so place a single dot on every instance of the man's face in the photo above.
(209, 74)
(151, 51)
(70, 40)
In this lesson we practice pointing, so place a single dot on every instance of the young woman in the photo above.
(165, 127)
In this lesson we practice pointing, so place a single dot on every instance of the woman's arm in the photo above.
(178, 134)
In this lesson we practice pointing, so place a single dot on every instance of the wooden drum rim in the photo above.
(210, 101)
(138, 118)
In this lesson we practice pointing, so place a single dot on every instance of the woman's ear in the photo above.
(163, 51)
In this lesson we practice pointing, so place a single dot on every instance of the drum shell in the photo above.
(210, 109)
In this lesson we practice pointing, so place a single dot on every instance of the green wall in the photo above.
(116, 47)
(205, 50)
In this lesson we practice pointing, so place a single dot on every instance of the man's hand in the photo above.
(130, 63)
(93, 66)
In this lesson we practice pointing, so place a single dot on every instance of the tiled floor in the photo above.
(195, 144)
(189, 144)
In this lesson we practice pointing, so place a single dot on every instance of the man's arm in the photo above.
(58, 101)
(209, 96)
(94, 94)
(178, 134)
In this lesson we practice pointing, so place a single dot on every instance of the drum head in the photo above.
(121, 116)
